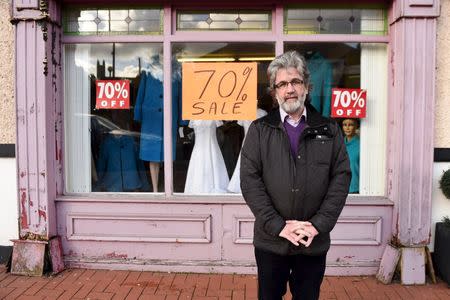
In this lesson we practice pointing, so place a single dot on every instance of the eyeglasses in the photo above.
(296, 82)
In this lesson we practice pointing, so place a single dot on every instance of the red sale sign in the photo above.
(112, 94)
(348, 103)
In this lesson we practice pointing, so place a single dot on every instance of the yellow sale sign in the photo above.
(219, 91)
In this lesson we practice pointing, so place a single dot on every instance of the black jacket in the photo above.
(310, 187)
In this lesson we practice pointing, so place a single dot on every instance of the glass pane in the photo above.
(113, 146)
(145, 14)
(207, 152)
(353, 66)
(103, 26)
(118, 15)
(103, 15)
(119, 26)
(224, 25)
(224, 20)
(86, 15)
(140, 26)
(112, 21)
(335, 21)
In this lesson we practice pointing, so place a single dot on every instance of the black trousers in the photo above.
(304, 274)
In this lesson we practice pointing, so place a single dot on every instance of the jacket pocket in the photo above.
(320, 150)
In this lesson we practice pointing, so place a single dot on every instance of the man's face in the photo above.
(290, 90)
(349, 127)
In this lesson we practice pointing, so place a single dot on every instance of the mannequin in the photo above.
(350, 127)
(154, 174)
(207, 172)
(149, 110)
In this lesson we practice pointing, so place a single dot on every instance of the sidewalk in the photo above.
(103, 284)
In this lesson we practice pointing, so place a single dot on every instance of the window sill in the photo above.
(352, 200)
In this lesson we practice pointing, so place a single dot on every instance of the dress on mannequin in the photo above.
(235, 183)
(207, 172)
(353, 149)
(149, 110)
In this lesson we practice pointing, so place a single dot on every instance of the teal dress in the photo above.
(321, 79)
(353, 153)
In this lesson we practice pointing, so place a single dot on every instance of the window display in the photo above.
(108, 146)
(353, 66)
(207, 152)
(114, 95)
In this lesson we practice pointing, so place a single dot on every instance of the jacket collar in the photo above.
(314, 119)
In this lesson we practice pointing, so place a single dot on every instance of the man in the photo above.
(295, 177)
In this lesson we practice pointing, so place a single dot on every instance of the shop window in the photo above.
(237, 21)
(335, 21)
(207, 152)
(112, 21)
(113, 94)
(354, 66)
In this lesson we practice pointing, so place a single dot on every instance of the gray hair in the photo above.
(291, 59)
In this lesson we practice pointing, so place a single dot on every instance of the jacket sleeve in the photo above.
(252, 184)
(326, 217)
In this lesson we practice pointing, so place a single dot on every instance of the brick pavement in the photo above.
(104, 284)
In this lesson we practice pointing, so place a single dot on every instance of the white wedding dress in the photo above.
(235, 183)
(207, 172)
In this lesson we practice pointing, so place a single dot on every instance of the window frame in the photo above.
(170, 35)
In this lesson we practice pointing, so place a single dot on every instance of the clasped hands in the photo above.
(295, 232)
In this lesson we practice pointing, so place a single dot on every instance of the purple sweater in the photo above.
(294, 134)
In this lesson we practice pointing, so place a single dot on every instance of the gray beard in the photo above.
(292, 107)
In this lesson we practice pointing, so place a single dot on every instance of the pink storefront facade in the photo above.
(175, 231)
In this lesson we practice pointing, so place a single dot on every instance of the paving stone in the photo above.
(118, 285)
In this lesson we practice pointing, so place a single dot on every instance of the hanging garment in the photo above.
(118, 168)
(321, 79)
(353, 153)
(230, 136)
(235, 183)
(207, 172)
(149, 110)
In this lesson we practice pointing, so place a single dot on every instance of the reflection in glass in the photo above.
(104, 146)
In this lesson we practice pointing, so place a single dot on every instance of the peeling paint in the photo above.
(42, 214)
(23, 211)
(114, 255)
(22, 174)
(34, 236)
